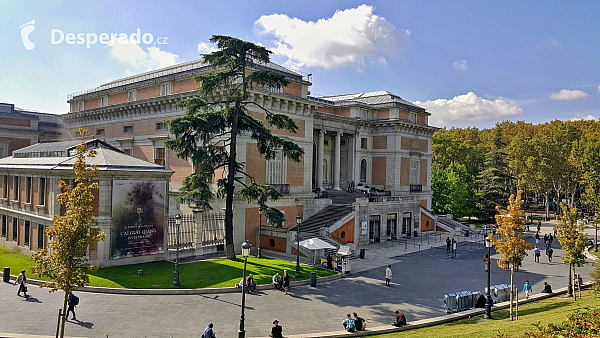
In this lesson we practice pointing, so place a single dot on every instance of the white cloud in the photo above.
(550, 44)
(203, 48)
(346, 38)
(470, 108)
(569, 95)
(383, 61)
(460, 65)
(599, 88)
(140, 59)
(580, 117)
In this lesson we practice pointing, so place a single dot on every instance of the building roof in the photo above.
(374, 99)
(59, 149)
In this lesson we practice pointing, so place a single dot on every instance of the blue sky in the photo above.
(469, 62)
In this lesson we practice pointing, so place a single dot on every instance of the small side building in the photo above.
(130, 206)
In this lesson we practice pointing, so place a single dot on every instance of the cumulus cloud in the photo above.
(569, 95)
(347, 38)
(141, 59)
(470, 108)
(203, 48)
(460, 65)
(599, 88)
(580, 117)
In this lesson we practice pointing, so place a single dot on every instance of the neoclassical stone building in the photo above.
(378, 140)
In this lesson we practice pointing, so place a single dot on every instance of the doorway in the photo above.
(406, 223)
(374, 221)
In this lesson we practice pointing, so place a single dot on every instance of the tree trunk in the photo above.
(572, 199)
(64, 315)
(547, 206)
(229, 247)
(512, 272)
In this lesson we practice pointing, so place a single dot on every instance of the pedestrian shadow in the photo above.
(298, 296)
(87, 325)
(33, 300)
(216, 297)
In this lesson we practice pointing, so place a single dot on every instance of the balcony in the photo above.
(416, 188)
(283, 189)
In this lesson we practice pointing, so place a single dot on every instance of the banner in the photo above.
(138, 218)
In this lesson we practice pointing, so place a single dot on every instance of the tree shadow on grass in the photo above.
(530, 310)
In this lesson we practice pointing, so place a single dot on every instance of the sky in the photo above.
(470, 63)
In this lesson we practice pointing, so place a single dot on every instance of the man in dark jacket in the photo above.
(208, 332)
(73, 301)
(276, 330)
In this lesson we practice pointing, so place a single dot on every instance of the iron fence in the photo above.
(213, 229)
(187, 232)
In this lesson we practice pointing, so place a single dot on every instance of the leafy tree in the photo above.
(70, 235)
(453, 191)
(494, 181)
(208, 132)
(572, 238)
(510, 242)
(462, 146)
(440, 200)
(591, 199)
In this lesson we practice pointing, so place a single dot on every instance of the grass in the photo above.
(159, 275)
(551, 310)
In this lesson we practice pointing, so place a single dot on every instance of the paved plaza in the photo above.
(418, 286)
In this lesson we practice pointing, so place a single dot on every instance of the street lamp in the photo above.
(488, 303)
(258, 255)
(245, 253)
(298, 221)
(178, 223)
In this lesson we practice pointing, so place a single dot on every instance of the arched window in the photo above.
(363, 170)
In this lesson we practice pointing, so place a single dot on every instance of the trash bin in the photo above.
(467, 233)
(416, 233)
(362, 254)
(313, 279)
(6, 276)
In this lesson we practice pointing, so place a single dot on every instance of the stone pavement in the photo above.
(418, 287)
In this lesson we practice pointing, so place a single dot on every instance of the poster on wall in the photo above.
(138, 218)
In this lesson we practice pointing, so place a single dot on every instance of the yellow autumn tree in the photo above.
(573, 239)
(71, 234)
(509, 238)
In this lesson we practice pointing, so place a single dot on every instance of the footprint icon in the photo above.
(26, 29)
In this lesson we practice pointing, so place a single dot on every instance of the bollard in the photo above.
(6, 276)
(431, 250)
(58, 324)
(313, 279)
(419, 248)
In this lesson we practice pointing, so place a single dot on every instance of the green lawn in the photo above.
(159, 275)
(551, 310)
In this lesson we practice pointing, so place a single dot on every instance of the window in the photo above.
(5, 186)
(414, 172)
(42, 192)
(342, 142)
(41, 240)
(161, 126)
(391, 226)
(166, 89)
(4, 225)
(15, 229)
(127, 151)
(15, 188)
(104, 101)
(80, 106)
(29, 189)
(159, 156)
(100, 132)
(276, 90)
(276, 169)
(406, 223)
(27, 232)
(132, 96)
(363, 143)
(413, 117)
(128, 129)
(325, 142)
(363, 170)
(364, 113)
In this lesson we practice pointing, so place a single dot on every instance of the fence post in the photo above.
(431, 250)
(405, 244)
(419, 248)
(58, 324)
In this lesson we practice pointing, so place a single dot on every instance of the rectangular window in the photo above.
(104, 101)
(28, 189)
(80, 106)
(41, 237)
(128, 129)
(127, 151)
(27, 232)
(4, 226)
(276, 90)
(132, 96)
(5, 186)
(100, 132)
(15, 188)
(413, 117)
(276, 169)
(159, 156)
(42, 192)
(15, 229)
(363, 143)
(166, 89)
(414, 172)
(161, 126)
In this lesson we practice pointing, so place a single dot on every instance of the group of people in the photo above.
(351, 186)
(248, 284)
(548, 238)
(276, 331)
(282, 282)
(528, 290)
(354, 323)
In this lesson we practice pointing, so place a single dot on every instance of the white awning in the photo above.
(344, 250)
(315, 244)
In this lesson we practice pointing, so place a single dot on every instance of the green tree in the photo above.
(70, 235)
(510, 242)
(591, 199)
(572, 238)
(453, 191)
(208, 132)
(440, 200)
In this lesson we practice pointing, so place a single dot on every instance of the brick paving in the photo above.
(419, 284)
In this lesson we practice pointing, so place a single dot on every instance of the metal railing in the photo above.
(213, 229)
(416, 188)
(282, 188)
(187, 232)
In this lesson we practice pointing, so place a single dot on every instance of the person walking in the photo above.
(549, 253)
(208, 332)
(536, 254)
(388, 275)
(286, 281)
(22, 281)
(329, 261)
(72, 302)
(527, 289)
(537, 238)
(448, 243)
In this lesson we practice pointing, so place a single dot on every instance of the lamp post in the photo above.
(488, 302)
(177, 223)
(245, 253)
(298, 221)
(258, 255)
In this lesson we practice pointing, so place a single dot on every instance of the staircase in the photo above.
(343, 196)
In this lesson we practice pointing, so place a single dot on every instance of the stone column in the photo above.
(351, 157)
(320, 151)
(336, 163)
